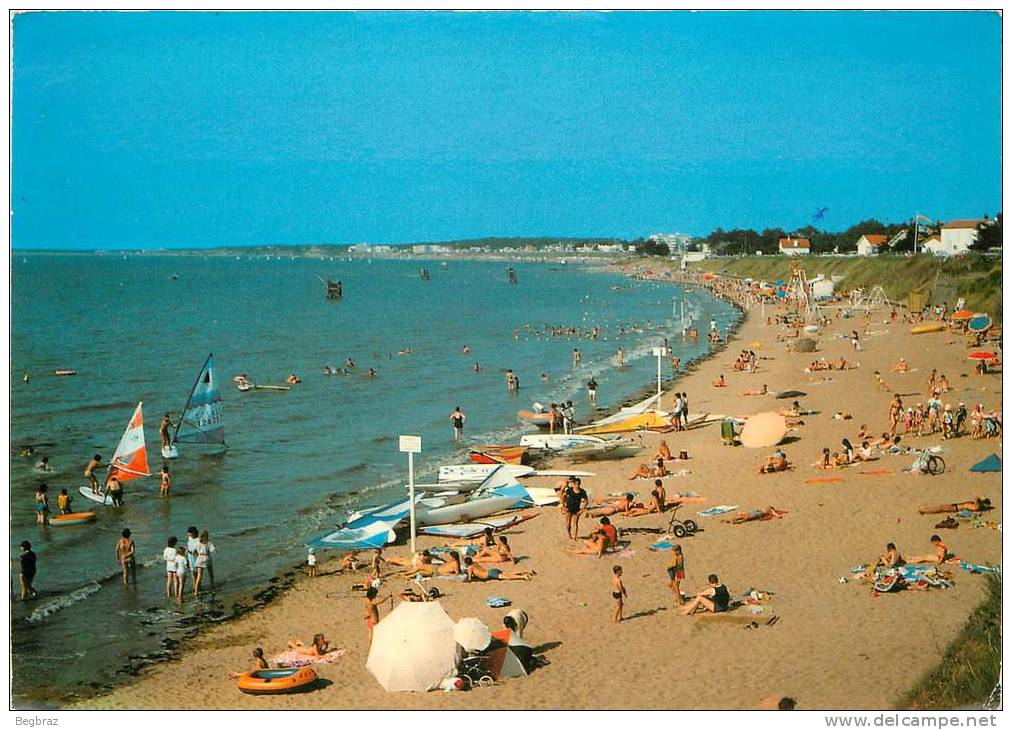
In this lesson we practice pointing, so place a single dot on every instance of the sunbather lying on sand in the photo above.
(940, 555)
(501, 553)
(776, 462)
(476, 572)
(756, 514)
(648, 471)
(760, 391)
(654, 507)
(980, 504)
(319, 647)
(428, 568)
(408, 595)
(615, 506)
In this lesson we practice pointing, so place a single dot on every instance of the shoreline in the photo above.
(215, 611)
(229, 641)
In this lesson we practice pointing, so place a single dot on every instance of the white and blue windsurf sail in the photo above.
(372, 535)
(203, 417)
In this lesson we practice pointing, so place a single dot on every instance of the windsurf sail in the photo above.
(203, 417)
(131, 458)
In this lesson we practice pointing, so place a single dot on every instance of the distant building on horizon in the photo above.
(792, 246)
(677, 243)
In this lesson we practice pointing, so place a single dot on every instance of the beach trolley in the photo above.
(277, 681)
(680, 528)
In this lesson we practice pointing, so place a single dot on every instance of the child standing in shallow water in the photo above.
(617, 592)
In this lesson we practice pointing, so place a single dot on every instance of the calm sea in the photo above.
(296, 462)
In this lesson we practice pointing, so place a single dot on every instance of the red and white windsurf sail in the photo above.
(131, 458)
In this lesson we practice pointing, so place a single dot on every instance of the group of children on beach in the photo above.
(194, 558)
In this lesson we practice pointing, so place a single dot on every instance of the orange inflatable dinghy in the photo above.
(276, 681)
(74, 518)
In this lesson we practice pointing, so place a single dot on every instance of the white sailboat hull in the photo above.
(478, 472)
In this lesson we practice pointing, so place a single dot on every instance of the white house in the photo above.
(932, 244)
(791, 246)
(871, 244)
(958, 235)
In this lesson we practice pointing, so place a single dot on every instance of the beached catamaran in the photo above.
(203, 418)
(130, 461)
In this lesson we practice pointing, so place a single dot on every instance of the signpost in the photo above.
(411, 445)
(659, 352)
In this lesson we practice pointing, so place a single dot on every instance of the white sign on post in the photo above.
(411, 445)
(659, 352)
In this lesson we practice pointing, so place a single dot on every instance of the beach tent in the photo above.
(805, 344)
(472, 634)
(763, 429)
(504, 663)
(413, 648)
(991, 463)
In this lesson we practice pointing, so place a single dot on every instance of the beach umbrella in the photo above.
(472, 634)
(978, 323)
(805, 344)
(982, 355)
(961, 315)
(763, 429)
(413, 648)
(791, 394)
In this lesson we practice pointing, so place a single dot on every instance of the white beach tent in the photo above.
(413, 648)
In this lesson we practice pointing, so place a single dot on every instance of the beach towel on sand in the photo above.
(662, 545)
(979, 568)
(718, 510)
(498, 602)
(292, 658)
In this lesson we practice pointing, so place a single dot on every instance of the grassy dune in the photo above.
(976, 278)
(971, 667)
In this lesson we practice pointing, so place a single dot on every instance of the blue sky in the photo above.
(150, 130)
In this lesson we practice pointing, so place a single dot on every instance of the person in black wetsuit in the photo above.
(714, 597)
(575, 500)
(27, 571)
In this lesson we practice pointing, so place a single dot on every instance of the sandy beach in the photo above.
(835, 645)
